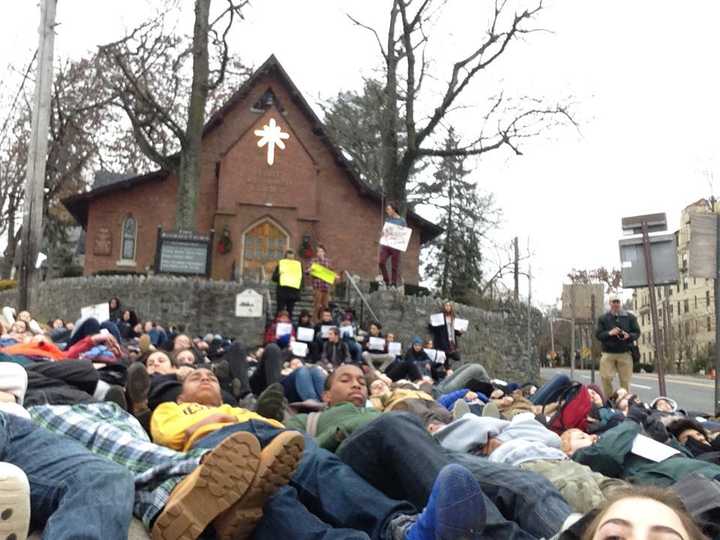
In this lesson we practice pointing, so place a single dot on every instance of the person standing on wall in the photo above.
(321, 289)
(387, 252)
(288, 275)
(616, 330)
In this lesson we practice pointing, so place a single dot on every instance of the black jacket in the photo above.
(615, 344)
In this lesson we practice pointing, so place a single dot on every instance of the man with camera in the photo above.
(617, 330)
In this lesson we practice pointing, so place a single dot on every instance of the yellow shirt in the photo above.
(170, 420)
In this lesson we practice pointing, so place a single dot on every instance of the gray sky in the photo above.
(639, 72)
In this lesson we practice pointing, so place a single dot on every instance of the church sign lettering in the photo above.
(183, 252)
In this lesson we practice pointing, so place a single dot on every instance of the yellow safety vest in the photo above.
(290, 273)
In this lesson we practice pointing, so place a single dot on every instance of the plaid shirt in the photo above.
(319, 284)
(108, 431)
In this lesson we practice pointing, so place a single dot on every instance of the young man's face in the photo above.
(201, 386)
(326, 316)
(348, 385)
(333, 336)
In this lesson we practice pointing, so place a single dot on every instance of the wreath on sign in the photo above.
(225, 244)
(306, 250)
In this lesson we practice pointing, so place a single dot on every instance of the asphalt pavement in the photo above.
(691, 393)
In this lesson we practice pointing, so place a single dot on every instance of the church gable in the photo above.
(268, 165)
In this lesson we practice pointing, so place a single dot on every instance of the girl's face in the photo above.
(113, 303)
(58, 323)
(374, 330)
(19, 327)
(296, 363)
(595, 397)
(639, 518)
(126, 316)
(447, 308)
(159, 362)
(24, 316)
(185, 358)
(147, 326)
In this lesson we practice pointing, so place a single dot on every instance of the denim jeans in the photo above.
(90, 327)
(395, 454)
(471, 376)
(324, 495)
(304, 383)
(73, 494)
(550, 391)
(354, 348)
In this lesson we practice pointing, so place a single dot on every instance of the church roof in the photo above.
(78, 204)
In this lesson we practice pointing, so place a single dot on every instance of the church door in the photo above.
(263, 245)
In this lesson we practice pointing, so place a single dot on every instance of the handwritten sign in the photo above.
(305, 334)
(347, 331)
(651, 449)
(395, 236)
(376, 344)
(437, 319)
(101, 312)
(325, 330)
(395, 348)
(322, 273)
(461, 325)
(436, 356)
(298, 348)
(248, 303)
(283, 329)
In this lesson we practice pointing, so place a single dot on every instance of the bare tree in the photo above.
(612, 279)
(408, 137)
(147, 73)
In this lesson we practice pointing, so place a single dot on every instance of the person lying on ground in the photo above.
(696, 439)
(332, 490)
(613, 454)
(526, 443)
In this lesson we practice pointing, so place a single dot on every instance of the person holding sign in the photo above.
(288, 276)
(445, 329)
(387, 252)
(322, 278)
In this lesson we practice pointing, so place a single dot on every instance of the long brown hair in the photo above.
(663, 496)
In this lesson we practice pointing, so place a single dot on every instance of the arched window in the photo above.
(129, 238)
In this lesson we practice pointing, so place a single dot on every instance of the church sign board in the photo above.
(183, 252)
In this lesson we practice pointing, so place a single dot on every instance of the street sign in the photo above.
(663, 252)
(702, 257)
(655, 223)
(580, 294)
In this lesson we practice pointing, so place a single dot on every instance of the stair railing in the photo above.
(361, 295)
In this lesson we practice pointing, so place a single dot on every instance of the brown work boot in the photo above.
(278, 462)
(221, 479)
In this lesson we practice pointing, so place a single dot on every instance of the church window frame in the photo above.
(128, 237)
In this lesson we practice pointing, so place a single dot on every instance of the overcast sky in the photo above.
(640, 74)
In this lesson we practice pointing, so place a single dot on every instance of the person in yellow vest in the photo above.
(288, 276)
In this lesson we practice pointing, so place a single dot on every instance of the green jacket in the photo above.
(612, 456)
(335, 424)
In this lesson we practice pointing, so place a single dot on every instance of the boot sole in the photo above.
(14, 502)
(219, 482)
(278, 462)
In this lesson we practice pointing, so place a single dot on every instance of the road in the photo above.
(691, 393)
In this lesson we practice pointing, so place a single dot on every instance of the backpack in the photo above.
(574, 407)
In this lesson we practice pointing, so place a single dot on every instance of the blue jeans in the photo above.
(73, 494)
(307, 382)
(550, 391)
(395, 454)
(355, 350)
(324, 495)
(90, 327)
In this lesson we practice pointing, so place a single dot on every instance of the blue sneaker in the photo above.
(455, 509)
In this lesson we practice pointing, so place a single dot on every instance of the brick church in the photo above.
(271, 179)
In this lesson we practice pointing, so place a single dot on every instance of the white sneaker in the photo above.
(14, 502)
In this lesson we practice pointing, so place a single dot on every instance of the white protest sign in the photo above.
(325, 330)
(248, 303)
(305, 334)
(347, 331)
(299, 348)
(395, 236)
(376, 344)
(437, 319)
(435, 355)
(461, 325)
(651, 449)
(283, 329)
(101, 312)
(395, 348)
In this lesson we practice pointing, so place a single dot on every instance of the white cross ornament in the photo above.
(271, 135)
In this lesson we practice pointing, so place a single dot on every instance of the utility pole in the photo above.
(572, 332)
(32, 231)
(593, 321)
(516, 270)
